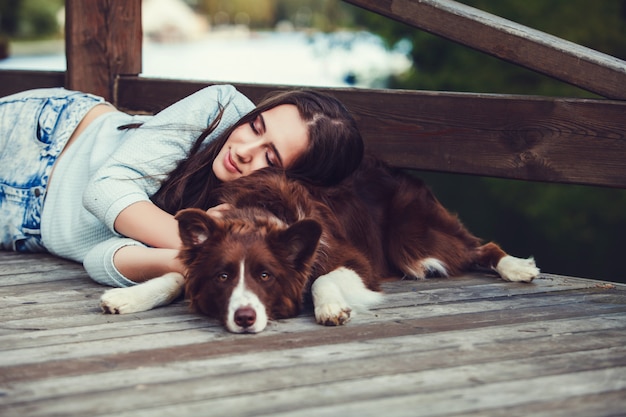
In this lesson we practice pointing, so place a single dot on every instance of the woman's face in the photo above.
(275, 138)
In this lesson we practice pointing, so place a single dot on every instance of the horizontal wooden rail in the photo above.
(521, 137)
(575, 64)
(13, 81)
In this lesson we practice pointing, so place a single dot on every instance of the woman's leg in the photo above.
(35, 126)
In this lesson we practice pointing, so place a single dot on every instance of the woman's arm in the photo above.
(132, 257)
(136, 169)
(123, 262)
(147, 223)
(140, 263)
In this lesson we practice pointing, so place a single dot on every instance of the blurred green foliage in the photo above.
(572, 230)
(325, 15)
(440, 64)
(29, 19)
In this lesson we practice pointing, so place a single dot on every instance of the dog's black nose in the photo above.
(245, 317)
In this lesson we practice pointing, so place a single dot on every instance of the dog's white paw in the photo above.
(515, 269)
(142, 297)
(332, 314)
(122, 301)
(340, 293)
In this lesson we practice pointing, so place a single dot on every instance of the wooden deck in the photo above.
(442, 347)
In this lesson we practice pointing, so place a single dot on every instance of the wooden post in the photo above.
(102, 40)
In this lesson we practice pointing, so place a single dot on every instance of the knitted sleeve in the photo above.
(99, 262)
(135, 170)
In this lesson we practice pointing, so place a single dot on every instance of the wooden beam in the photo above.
(583, 67)
(521, 137)
(103, 39)
(13, 81)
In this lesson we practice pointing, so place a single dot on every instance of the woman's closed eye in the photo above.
(271, 159)
(258, 125)
(254, 127)
(272, 156)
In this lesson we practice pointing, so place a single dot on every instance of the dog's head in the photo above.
(246, 267)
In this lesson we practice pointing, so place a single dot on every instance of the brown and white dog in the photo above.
(284, 239)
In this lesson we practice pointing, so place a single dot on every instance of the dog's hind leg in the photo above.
(337, 293)
(508, 267)
(142, 297)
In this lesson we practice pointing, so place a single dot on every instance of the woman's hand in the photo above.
(218, 211)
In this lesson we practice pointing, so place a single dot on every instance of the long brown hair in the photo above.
(334, 151)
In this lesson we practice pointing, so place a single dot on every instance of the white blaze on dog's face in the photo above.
(246, 313)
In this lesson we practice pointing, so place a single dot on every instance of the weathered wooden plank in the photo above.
(102, 330)
(103, 39)
(339, 372)
(430, 341)
(18, 274)
(479, 396)
(199, 341)
(55, 330)
(575, 64)
(37, 268)
(473, 388)
(72, 315)
(520, 137)
(603, 404)
(75, 310)
(454, 289)
(63, 292)
(265, 371)
(344, 362)
(85, 313)
(350, 361)
(81, 294)
(480, 344)
(13, 81)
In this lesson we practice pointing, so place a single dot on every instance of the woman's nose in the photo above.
(247, 151)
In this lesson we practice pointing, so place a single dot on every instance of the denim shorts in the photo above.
(34, 128)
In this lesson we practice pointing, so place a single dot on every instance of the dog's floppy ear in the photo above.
(298, 242)
(195, 226)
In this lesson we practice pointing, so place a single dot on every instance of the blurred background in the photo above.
(571, 230)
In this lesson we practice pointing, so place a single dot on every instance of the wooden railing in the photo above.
(566, 140)
(566, 61)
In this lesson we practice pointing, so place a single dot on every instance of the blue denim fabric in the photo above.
(34, 128)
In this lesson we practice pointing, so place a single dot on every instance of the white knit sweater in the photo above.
(107, 170)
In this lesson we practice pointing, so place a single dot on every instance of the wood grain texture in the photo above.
(103, 39)
(442, 347)
(14, 81)
(560, 140)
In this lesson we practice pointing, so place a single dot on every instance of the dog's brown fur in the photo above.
(281, 235)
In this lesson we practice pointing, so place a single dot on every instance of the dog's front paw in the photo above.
(121, 301)
(145, 296)
(332, 314)
(515, 269)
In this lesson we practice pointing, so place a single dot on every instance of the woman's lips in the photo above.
(230, 165)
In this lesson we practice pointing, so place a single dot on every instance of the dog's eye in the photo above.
(222, 277)
(265, 276)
